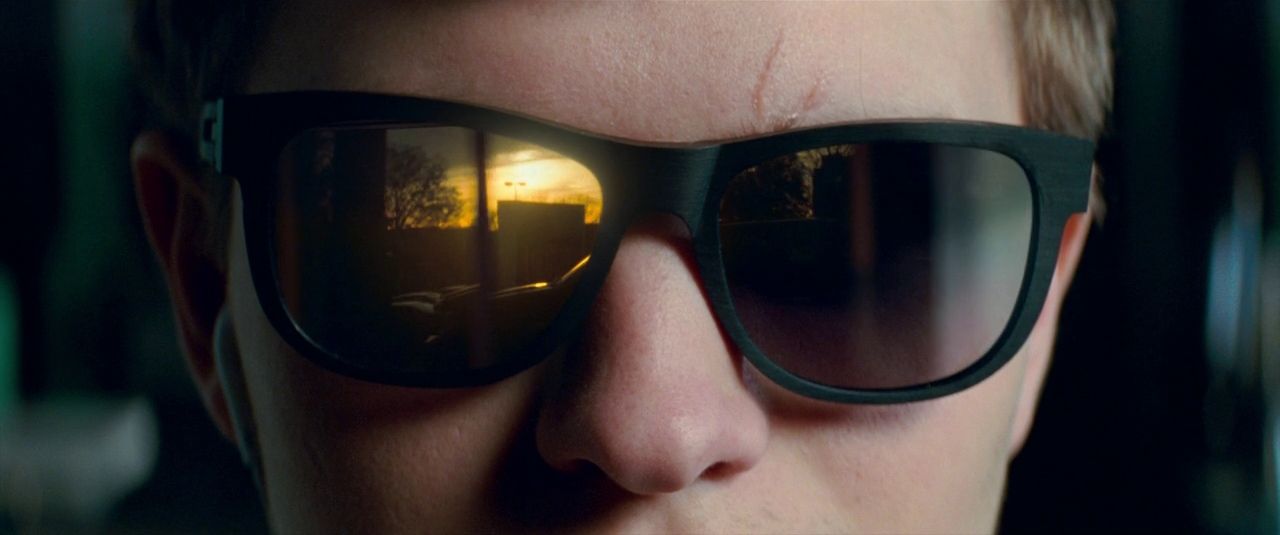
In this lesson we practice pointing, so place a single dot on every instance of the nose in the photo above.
(652, 394)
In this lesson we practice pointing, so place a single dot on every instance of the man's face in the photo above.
(655, 422)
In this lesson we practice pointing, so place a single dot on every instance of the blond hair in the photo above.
(1065, 57)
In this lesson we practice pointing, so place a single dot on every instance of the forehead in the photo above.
(659, 71)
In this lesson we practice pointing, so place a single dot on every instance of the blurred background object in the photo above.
(1153, 417)
(1160, 413)
(100, 427)
(66, 463)
(1269, 272)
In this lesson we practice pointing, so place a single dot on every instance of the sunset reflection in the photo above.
(515, 170)
(389, 226)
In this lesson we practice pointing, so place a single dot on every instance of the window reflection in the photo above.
(452, 234)
(506, 255)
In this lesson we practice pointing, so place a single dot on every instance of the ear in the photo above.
(178, 218)
(1039, 346)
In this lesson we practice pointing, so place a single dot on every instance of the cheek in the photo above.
(342, 452)
(938, 465)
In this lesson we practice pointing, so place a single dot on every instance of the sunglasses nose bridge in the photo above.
(674, 181)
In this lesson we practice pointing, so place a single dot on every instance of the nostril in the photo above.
(577, 467)
(717, 471)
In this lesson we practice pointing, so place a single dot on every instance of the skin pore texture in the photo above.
(652, 422)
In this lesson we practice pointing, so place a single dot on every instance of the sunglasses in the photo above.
(418, 242)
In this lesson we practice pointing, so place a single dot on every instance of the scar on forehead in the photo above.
(764, 80)
(817, 92)
(765, 76)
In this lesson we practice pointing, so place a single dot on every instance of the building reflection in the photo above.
(533, 242)
(413, 228)
(539, 242)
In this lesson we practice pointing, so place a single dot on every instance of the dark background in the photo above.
(1152, 418)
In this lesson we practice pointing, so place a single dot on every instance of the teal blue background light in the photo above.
(8, 342)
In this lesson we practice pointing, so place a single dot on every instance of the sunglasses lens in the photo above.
(428, 249)
(881, 265)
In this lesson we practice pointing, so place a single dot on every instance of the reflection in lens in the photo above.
(429, 249)
(877, 265)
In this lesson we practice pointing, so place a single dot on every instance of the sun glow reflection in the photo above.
(515, 170)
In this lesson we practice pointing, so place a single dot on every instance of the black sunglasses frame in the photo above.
(242, 137)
